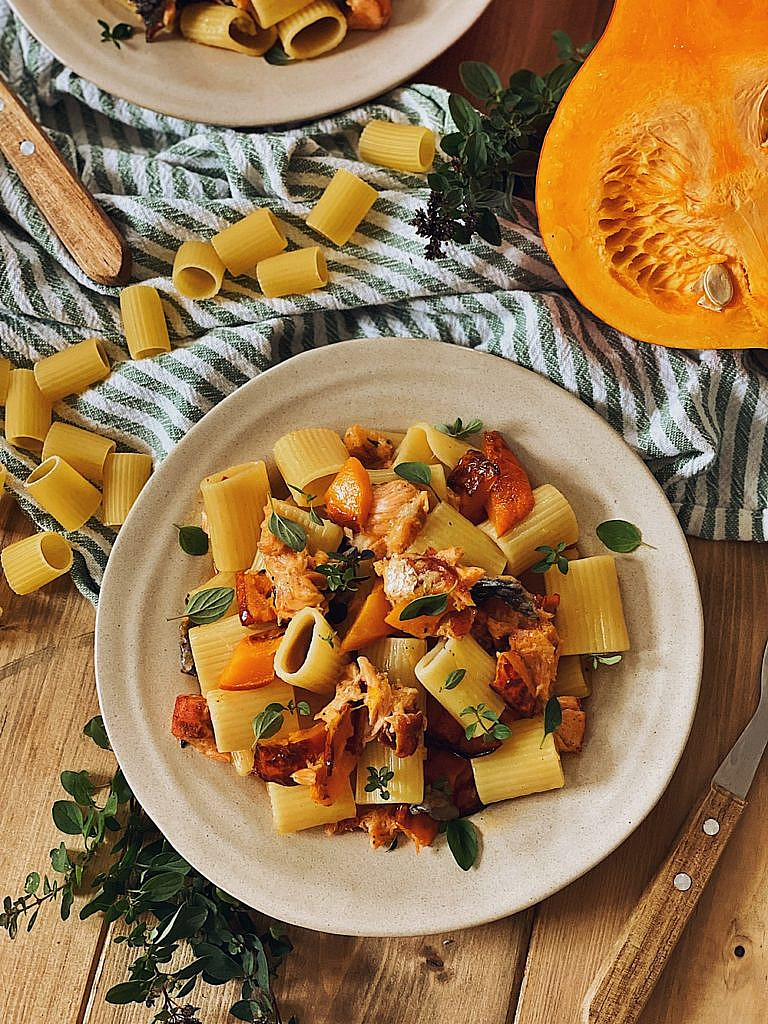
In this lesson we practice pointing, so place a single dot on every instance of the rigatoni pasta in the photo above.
(213, 644)
(269, 12)
(570, 681)
(31, 563)
(84, 451)
(445, 527)
(233, 711)
(405, 785)
(63, 493)
(528, 762)
(234, 503)
(590, 616)
(144, 325)
(342, 206)
(403, 147)
(293, 273)
(72, 370)
(551, 521)
(310, 654)
(293, 809)
(460, 654)
(249, 241)
(197, 269)
(125, 473)
(228, 28)
(308, 460)
(324, 536)
(27, 412)
(312, 30)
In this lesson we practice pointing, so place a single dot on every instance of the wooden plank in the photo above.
(46, 696)
(705, 983)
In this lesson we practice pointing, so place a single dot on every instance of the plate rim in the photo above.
(461, 921)
(436, 43)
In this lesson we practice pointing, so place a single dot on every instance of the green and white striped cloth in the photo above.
(698, 419)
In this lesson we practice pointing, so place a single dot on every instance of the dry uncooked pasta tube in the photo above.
(197, 270)
(293, 273)
(84, 451)
(403, 147)
(125, 473)
(249, 241)
(27, 412)
(342, 206)
(144, 326)
(72, 370)
(5, 375)
(31, 563)
(63, 493)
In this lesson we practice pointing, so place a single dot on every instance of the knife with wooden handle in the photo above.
(629, 974)
(84, 229)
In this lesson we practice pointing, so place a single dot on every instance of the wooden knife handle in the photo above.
(84, 229)
(627, 977)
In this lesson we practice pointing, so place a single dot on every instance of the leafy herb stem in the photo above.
(378, 780)
(604, 659)
(460, 429)
(552, 556)
(340, 569)
(553, 718)
(270, 721)
(116, 35)
(487, 722)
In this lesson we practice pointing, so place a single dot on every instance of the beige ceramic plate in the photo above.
(639, 714)
(201, 83)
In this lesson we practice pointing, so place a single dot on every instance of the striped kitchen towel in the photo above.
(698, 419)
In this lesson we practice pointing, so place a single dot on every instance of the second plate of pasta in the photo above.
(279, 444)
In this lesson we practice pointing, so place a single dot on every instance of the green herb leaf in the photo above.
(78, 785)
(68, 818)
(192, 540)
(293, 535)
(432, 604)
(126, 992)
(415, 472)
(480, 80)
(378, 778)
(453, 679)
(120, 32)
(604, 659)
(32, 883)
(303, 708)
(314, 517)
(95, 730)
(466, 118)
(276, 55)
(462, 842)
(60, 859)
(269, 721)
(340, 570)
(459, 429)
(619, 535)
(209, 605)
(553, 717)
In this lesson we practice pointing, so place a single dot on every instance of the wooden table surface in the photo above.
(532, 968)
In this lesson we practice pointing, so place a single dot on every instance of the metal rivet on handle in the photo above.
(682, 882)
(27, 147)
(711, 827)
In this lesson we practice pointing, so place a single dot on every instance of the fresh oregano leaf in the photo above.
(268, 722)
(293, 535)
(460, 429)
(553, 717)
(192, 540)
(276, 55)
(466, 118)
(32, 883)
(414, 472)
(67, 817)
(453, 679)
(462, 842)
(78, 785)
(432, 604)
(479, 79)
(209, 605)
(95, 730)
(619, 535)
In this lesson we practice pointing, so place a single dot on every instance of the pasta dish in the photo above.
(381, 641)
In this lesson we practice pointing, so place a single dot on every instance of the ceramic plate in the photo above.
(639, 714)
(201, 83)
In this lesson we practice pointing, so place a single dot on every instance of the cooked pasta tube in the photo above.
(590, 616)
(414, 447)
(309, 459)
(312, 30)
(293, 809)
(404, 147)
(212, 646)
(144, 326)
(249, 241)
(125, 473)
(243, 761)
(293, 273)
(406, 786)
(398, 657)
(570, 681)
(27, 412)
(5, 376)
(269, 12)
(31, 563)
(234, 503)
(551, 521)
(446, 448)
(342, 206)
(525, 763)
(326, 538)
(474, 688)
(63, 493)
(227, 28)
(221, 579)
(310, 653)
(233, 712)
(84, 451)
(197, 269)
(447, 528)
(72, 370)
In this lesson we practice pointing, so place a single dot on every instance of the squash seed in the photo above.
(718, 285)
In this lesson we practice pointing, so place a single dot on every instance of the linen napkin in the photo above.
(697, 418)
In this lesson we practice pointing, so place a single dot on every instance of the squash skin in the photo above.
(665, 115)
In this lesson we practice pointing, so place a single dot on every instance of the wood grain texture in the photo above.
(82, 226)
(626, 979)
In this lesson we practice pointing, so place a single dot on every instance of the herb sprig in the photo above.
(378, 780)
(208, 605)
(270, 721)
(293, 535)
(432, 605)
(341, 568)
(453, 679)
(486, 722)
(144, 883)
(553, 718)
(309, 498)
(492, 156)
(460, 429)
(117, 34)
(462, 842)
(552, 556)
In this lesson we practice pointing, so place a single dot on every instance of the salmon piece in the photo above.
(368, 14)
(191, 723)
(537, 648)
(343, 746)
(385, 824)
(372, 447)
(397, 514)
(569, 735)
(409, 577)
(514, 685)
(294, 584)
(254, 598)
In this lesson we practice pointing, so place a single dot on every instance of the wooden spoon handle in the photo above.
(84, 229)
(629, 974)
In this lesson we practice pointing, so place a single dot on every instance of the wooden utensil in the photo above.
(84, 229)
(629, 974)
